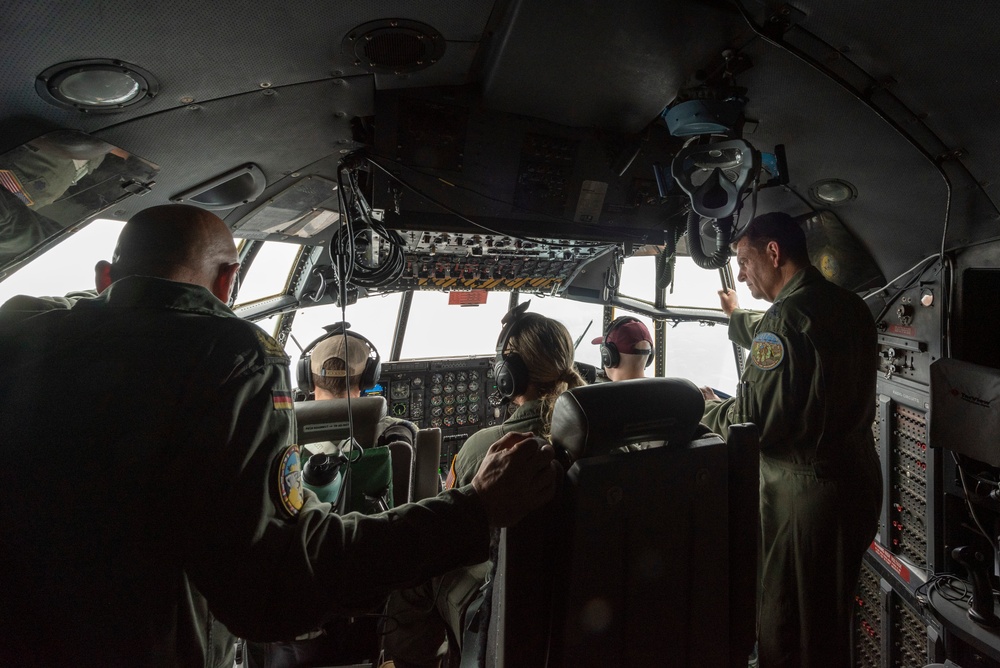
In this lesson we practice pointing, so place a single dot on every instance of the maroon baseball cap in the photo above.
(626, 335)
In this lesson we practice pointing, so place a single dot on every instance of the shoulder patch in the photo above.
(271, 347)
(767, 351)
(288, 481)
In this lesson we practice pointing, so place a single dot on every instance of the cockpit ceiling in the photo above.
(280, 85)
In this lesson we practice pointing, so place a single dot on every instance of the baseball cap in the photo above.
(626, 335)
(355, 358)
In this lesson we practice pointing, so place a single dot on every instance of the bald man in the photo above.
(150, 494)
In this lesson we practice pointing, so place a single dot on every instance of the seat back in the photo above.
(642, 558)
(426, 464)
(402, 471)
(330, 419)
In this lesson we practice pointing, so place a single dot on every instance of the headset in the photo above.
(369, 375)
(610, 357)
(510, 373)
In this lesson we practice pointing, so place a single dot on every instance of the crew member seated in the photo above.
(533, 366)
(343, 356)
(626, 349)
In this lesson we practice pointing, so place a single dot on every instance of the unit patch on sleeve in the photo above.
(271, 347)
(289, 481)
(767, 351)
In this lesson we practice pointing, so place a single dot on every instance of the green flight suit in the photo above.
(150, 498)
(810, 387)
(422, 615)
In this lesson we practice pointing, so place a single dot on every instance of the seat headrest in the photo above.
(326, 419)
(594, 419)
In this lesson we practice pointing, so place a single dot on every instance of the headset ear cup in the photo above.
(609, 355)
(511, 376)
(371, 373)
(649, 357)
(303, 373)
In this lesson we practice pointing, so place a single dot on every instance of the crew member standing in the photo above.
(810, 387)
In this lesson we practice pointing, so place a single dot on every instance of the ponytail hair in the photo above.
(547, 350)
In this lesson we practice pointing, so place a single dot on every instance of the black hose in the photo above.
(723, 235)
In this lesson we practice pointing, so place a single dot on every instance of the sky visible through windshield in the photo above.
(696, 351)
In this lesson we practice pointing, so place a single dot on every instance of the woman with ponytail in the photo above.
(546, 349)
(425, 616)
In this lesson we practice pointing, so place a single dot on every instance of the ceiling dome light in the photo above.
(832, 191)
(96, 86)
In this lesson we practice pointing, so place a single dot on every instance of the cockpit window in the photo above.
(269, 271)
(66, 267)
(372, 317)
(576, 316)
(438, 329)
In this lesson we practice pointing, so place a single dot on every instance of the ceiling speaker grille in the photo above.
(395, 45)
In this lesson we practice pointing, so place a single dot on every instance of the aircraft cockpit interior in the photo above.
(412, 172)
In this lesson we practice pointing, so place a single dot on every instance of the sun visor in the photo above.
(302, 211)
(964, 416)
(52, 184)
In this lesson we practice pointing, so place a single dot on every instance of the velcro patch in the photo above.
(767, 351)
(271, 347)
(289, 481)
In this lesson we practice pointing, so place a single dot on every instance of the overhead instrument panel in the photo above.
(456, 261)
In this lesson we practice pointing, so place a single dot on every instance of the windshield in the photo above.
(696, 350)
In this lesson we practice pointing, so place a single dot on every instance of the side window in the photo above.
(269, 271)
(67, 267)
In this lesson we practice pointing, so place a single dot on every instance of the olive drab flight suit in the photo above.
(809, 385)
(150, 495)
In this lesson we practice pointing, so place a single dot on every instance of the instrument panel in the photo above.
(451, 394)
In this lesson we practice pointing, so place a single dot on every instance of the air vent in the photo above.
(239, 186)
(395, 46)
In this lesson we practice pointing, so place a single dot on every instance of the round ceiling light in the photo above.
(96, 86)
(832, 191)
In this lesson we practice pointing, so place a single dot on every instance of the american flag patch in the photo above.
(282, 400)
(10, 182)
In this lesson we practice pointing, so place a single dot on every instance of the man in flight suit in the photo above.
(150, 494)
(809, 386)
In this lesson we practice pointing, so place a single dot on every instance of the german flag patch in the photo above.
(282, 400)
